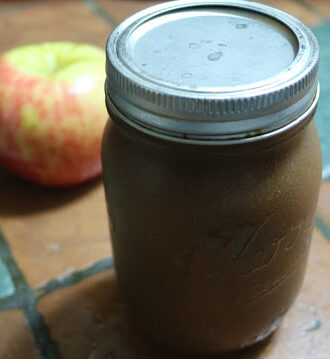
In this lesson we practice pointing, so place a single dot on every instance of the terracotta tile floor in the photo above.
(58, 291)
(13, 322)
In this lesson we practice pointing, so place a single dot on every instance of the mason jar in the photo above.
(212, 169)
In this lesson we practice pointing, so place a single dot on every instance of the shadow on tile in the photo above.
(21, 197)
(93, 314)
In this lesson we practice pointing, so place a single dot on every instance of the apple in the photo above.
(52, 112)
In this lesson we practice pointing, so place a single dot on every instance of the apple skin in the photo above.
(52, 112)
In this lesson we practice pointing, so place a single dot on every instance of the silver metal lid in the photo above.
(212, 69)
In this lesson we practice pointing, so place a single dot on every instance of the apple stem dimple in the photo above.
(51, 62)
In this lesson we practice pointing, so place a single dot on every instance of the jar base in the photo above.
(254, 345)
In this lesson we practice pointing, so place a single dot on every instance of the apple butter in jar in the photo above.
(212, 169)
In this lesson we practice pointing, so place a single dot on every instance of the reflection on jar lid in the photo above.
(212, 69)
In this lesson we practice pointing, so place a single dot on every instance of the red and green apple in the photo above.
(52, 112)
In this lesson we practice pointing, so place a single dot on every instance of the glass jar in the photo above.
(212, 169)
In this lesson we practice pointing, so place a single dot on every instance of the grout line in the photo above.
(73, 277)
(8, 260)
(8, 303)
(322, 227)
(21, 6)
(25, 300)
(97, 9)
(312, 9)
(47, 347)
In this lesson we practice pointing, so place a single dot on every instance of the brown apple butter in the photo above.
(212, 169)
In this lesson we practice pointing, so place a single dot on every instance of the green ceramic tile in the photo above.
(323, 114)
(7, 287)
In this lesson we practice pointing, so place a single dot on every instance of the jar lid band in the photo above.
(215, 69)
